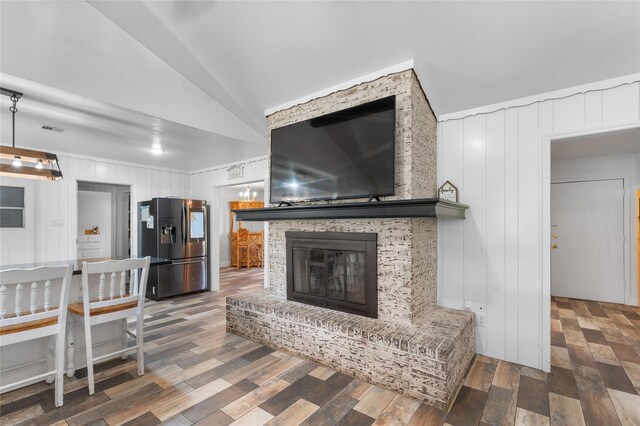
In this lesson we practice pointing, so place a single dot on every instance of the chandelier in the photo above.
(246, 195)
(25, 163)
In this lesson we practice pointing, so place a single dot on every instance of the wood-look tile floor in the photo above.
(196, 373)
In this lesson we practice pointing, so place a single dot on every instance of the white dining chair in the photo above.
(104, 301)
(29, 309)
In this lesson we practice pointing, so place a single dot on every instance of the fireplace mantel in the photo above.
(425, 207)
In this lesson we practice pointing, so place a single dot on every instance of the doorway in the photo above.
(236, 254)
(593, 183)
(589, 155)
(104, 220)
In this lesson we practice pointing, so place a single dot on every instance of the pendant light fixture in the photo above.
(25, 163)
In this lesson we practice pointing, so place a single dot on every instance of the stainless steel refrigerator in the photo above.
(174, 229)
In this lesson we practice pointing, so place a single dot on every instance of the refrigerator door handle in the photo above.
(184, 224)
(182, 262)
(205, 227)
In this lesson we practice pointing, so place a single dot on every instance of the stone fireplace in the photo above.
(407, 343)
(335, 270)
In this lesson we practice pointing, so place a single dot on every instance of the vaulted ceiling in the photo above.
(199, 75)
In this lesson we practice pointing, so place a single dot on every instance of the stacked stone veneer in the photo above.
(406, 276)
(406, 247)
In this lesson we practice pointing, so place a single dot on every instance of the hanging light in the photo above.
(246, 195)
(39, 165)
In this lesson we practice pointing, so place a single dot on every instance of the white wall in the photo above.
(226, 195)
(625, 167)
(206, 185)
(95, 209)
(56, 207)
(496, 261)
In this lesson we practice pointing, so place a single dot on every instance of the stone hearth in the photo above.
(426, 360)
(413, 347)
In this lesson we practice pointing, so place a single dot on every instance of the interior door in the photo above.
(587, 241)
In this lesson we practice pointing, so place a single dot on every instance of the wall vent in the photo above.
(52, 128)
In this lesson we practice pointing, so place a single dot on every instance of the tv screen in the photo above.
(346, 154)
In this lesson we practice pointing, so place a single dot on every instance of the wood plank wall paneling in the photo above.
(510, 309)
(203, 181)
(503, 183)
(496, 262)
(56, 201)
(475, 226)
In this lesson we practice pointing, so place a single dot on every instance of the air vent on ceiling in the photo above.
(52, 128)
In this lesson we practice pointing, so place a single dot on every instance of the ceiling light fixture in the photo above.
(12, 159)
(156, 148)
(246, 195)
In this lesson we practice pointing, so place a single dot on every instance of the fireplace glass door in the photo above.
(337, 274)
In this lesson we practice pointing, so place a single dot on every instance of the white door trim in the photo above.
(214, 233)
(73, 222)
(545, 250)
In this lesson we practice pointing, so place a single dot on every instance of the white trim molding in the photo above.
(229, 165)
(556, 94)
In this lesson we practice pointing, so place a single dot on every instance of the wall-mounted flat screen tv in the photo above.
(345, 154)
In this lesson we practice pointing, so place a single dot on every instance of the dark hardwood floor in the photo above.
(196, 373)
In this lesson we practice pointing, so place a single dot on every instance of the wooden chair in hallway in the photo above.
(256, 249)
(243, 247)
(33, 305)
(113, 303)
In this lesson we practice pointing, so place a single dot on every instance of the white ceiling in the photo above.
(610, 143)
(214, 67)
(103, 130)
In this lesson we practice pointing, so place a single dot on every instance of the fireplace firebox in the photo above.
(334, 270)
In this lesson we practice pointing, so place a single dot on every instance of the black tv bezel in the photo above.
(346, 197)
